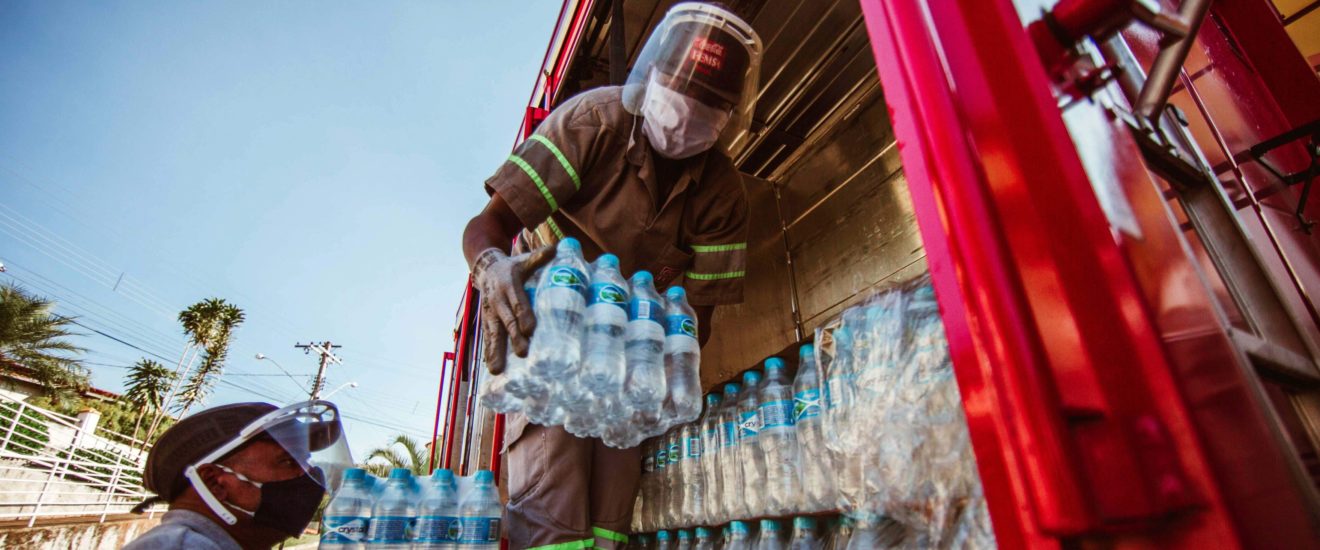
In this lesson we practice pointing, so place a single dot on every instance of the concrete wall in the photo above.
(75, 534)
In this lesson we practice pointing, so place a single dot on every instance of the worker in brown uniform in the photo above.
(639, 171)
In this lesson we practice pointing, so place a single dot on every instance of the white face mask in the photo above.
(679, 126)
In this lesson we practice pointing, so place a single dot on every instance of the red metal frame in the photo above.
(445, 362)
(467, 327)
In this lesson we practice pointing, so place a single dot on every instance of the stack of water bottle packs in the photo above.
(403, 512)
(610, 358)
(882, 440)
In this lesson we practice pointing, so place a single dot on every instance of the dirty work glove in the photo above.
(506, 314)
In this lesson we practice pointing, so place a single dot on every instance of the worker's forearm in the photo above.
(494, 227)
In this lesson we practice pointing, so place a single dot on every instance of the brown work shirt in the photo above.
(588, 173)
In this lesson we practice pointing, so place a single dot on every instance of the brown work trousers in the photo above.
(567, 490)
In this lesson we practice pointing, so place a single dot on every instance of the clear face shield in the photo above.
(697, 74)
(309, 448)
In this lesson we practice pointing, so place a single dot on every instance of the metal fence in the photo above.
(54, 465)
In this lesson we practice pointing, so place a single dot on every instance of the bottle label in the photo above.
(776, 414)
(675, 454)
(750, 426)
(344, 530)
(692, 447)
(567, 277)
(806, 404)
(680, 325)
(662, 458)
(478, 530)
(389, 529)
(834, 392)
(436, 528)
(730, 433)
(645, 310)
(648, 463)
(607, 293)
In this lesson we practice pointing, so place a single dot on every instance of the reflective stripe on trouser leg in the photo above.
(608, 539)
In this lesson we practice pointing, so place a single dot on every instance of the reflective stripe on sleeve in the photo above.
(608, 534)
(563, 161)
(575, 545)
(554, 227)
(718, 247)
(536, 178)
(715, 276)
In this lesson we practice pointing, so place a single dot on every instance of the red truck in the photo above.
(1112, 199)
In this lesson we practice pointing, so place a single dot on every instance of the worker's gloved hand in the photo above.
(506, 313)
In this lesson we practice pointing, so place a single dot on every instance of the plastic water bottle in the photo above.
(348, 514)
(841, 536)
(749, 444)
(479, 513)
(392, 515)
(710, 467)
(437, 515)
(740, 536)
(661, 487)
(778, 439)
(663, 541)
(705, 539)
(804, 535)
(770, 536)
(730, 458)
(518, 378)
(691, 475)
(603, 362)
(561, 302)
(817, 482)
(682, 359)
(684, 540)
(644, 385)
(674, 504)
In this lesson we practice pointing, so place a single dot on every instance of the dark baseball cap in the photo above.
(190, 440)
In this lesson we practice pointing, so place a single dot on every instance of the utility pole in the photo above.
(326, 351)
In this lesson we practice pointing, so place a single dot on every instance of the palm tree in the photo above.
(148, 383)
(32, 336)
(402, 452)
(217, 330)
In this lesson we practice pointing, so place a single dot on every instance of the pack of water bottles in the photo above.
(610, 358)
(870, 425)
(893, 420)
(404, 512)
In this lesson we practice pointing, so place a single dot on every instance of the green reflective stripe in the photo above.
(563, 161)
(554, 227)
(608, 534)
(575, 545)
(536, 178)
(715, 276)
(718, 247)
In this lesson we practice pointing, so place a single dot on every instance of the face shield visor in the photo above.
(308, 434)
(705, 53)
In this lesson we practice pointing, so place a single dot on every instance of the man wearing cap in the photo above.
(240, 476)
(639, 171)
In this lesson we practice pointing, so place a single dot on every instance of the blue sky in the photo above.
(312, 162)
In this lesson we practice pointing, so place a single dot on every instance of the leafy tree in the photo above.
(210, 324)
(148, 385)
(34, 337)
(402, 452)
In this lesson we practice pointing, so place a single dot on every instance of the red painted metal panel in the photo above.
(445, 363)
(462, 360)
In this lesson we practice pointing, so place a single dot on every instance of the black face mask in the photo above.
(288, 506)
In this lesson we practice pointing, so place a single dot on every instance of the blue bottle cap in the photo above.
(608, 260)
(703, 532)
(731, 389)
(769, 525)
(684, 534)
(485, 476)
(400, 473)
(675, 293)
(569, 243)
(662, 535)
(807, 350)
(738, 526)
(355, 474)
(804, 522)
(774, 363)
(751, 377)
(713, 398)
(642, 277)
(443, 474)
